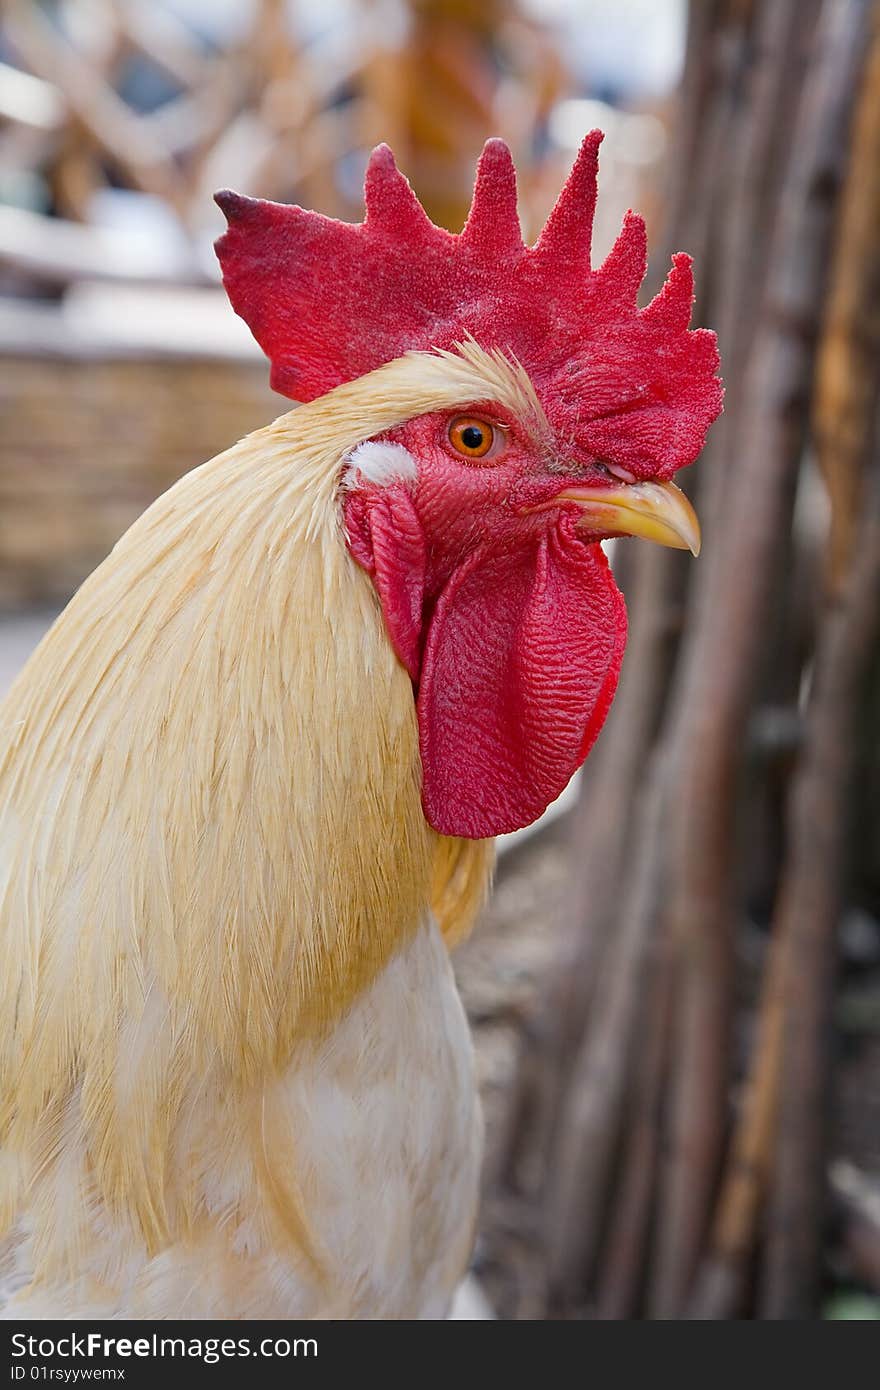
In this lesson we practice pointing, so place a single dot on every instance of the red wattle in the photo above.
(516, 666)
(385, 537)
(520, 667)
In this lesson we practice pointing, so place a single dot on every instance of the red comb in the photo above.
(329, 301)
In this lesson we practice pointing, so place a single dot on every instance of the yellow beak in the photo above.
(656, 511)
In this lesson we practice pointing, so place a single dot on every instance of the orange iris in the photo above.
(471, 437)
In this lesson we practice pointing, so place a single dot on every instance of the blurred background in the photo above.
(676, 989)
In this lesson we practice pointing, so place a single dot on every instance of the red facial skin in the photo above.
(464, 502)
(507, 619)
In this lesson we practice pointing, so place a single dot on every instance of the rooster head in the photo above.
(480, 524)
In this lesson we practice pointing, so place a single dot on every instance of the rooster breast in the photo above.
(393, 1151)
(381, 1123)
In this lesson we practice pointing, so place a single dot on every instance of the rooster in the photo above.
(250, 778)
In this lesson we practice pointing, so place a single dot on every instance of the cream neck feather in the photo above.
(211, 836)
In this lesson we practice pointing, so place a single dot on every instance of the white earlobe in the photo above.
(379, 463)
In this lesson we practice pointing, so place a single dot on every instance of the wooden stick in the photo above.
(719, 660)
(577, 1200)
(29, 101)
(846, 370)
(853, 301)
(123, 136)
(817, 822)
(810, 904)
(719, 1288)
(757, 136)
(165, 40)
(625, 1257)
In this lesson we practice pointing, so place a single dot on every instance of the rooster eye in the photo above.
(471, 437)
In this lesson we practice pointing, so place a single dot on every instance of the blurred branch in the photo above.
(29, 101)
(719, 1289)
(161, 37)
(854, 298)
(123, 136)
(630, 1224)
(846, 375)
(758, 138)
(809, 911)
(589, 1131)
(720, 660)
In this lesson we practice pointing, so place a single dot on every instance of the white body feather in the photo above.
(387, 1132)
